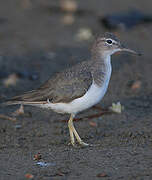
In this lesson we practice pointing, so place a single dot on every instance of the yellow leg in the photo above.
(73, 132)
(70, 124)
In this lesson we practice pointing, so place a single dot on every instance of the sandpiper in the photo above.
(79, 87)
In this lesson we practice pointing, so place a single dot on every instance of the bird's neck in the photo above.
(101, 69)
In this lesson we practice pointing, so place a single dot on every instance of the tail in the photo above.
(9, 103)
(29, 98)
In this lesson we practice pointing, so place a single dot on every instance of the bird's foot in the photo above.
(72, 143)
(83, 144)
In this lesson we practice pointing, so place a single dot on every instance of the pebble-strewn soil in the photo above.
(35, 41)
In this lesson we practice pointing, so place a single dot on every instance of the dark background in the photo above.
(36, 40)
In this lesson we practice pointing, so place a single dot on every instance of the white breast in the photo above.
(92, 97)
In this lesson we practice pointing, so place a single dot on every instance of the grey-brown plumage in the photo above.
(62, 87)
(71, 83)
(79, 87)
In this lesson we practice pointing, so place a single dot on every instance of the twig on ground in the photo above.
(2, 116)
(104, 111)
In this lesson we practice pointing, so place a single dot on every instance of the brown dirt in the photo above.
(34, 39)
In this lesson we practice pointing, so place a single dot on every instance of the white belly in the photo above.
(92, 97)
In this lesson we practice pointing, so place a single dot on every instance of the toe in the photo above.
(83, 144)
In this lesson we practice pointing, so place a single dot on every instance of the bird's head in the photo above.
(108, 44)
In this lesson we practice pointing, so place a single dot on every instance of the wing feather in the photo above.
(62, 87)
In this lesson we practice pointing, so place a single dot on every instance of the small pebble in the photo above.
(93, 124)
(29, 176)
(45, 164)
(136, 85)
(68, 19)
(117, 108)
(68, 5)
(18, 126)
(37, 156)
(84, 34)
(11, 80)
(102, 175)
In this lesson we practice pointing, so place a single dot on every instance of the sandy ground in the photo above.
(35, 39)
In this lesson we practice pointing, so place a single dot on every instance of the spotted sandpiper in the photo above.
(79, 87)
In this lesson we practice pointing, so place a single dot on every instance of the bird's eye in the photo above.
(109, 41)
